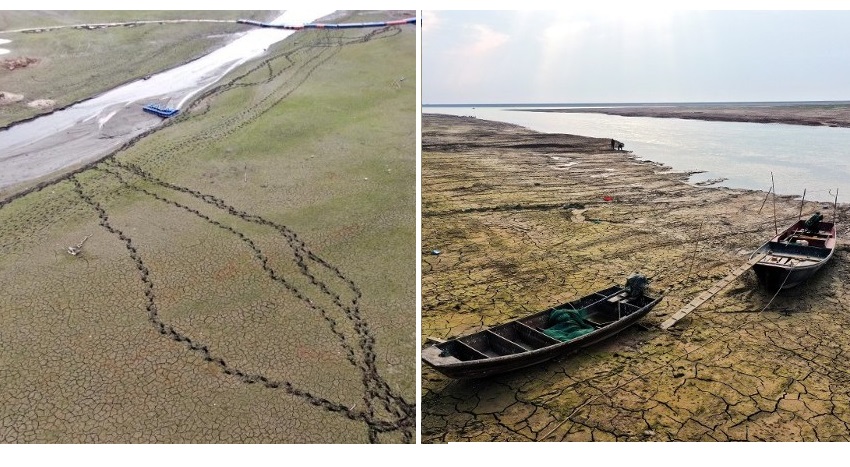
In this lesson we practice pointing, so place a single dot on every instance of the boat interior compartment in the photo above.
(798, 234)
(797, 250)
(502, 340)
(607, 313)
(528, 337)
(602, 309)
(807, 239)
(460, 350)
(506, 346)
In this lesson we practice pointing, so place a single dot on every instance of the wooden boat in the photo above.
(523, 342)
(795, 254)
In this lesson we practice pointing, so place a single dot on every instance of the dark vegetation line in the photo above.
(203, 349)
(92, 26)
(376, 387)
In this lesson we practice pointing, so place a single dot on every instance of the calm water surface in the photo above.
(801, 157)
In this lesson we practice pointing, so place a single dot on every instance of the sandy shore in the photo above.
(522, 222)
(833, 115)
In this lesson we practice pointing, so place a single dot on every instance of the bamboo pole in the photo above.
(835, 208)
(769, 191)
(773, 185)
(696, 246)
(801, 204)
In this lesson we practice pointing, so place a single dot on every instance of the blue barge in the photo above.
(163, 112)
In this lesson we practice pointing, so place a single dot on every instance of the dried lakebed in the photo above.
(230, 288)
(522, 221)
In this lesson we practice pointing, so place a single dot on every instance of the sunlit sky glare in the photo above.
(634, 55)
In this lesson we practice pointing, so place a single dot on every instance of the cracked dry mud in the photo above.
(207, 307)
(521, 222)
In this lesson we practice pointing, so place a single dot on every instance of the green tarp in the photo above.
(566, 325)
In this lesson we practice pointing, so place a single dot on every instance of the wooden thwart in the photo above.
(707, 294)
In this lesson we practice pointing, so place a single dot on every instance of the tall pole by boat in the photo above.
(769, 191)
(835, 207)
(696, 246)
(801, 204)
(773, 187)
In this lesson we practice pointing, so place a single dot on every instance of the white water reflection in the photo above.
(800, 157)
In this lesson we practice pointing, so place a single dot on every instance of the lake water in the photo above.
(801, 157)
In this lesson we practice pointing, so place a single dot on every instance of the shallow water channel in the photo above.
(86, 131)
(744, 154)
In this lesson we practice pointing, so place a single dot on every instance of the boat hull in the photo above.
(775, 278)
(450, 358)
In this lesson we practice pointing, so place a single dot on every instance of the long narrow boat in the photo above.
(528, 341)
(795, 254)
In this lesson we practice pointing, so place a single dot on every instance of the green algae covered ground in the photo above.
(249, 275)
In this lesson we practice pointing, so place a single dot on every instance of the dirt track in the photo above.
(522, 223)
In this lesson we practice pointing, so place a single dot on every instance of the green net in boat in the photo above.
(566, 325)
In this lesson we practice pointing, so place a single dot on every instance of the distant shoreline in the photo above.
(809, 115)
(829, 114)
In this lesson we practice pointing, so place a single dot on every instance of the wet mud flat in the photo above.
(815, 114)
(524, 220)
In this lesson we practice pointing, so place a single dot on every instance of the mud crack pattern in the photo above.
(187, 318)
(526, 220)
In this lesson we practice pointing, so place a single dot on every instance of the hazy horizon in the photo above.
(550, 104)
(637, 55)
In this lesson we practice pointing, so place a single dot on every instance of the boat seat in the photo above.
(776, 259)
(470, 350)
(597, 323)
(808, 237)
(819, 234)
(538, 336)
(504, 345)
(618, 297)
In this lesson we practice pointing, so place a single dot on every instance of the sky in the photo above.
(634, 55)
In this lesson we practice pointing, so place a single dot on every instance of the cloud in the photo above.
(482, 40)
(431, 21)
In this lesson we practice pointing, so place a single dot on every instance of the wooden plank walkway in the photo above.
(707, 294)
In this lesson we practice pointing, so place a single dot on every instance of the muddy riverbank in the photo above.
(90, 130)
(68, 66)
(525, 220)
(826, 114)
